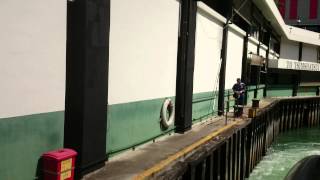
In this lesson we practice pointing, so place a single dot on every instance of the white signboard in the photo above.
(295, 65)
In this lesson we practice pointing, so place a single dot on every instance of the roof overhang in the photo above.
(272, 14)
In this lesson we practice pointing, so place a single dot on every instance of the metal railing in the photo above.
(235, 153)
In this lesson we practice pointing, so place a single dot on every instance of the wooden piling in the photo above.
(243, 149)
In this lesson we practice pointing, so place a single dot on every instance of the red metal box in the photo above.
(59, 164)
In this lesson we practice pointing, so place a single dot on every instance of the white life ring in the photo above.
(167, 106)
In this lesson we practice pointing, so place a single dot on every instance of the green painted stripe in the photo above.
(281, 86)
(23, 139)
(202, 105)
(134, 123)
(307, 91)
(286, 90)
(279, 90)
(253, 87)
(131, 124)
(260, 94)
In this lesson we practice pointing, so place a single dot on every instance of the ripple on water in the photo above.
(288, 149)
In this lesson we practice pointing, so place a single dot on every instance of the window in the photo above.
(254, 31)
(293, 14)
(282, 7)
(313, 9)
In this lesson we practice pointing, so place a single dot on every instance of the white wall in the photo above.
(252, 46)
(309, 53)
(234, 58)
(289, 50)
(207, 52)
(271, 56)
(263, 51)
(32, 56)
(143, 49)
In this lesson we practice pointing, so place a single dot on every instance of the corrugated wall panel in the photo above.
(263, 52)
(282, 7)
(309, 53)
(32, 77)
(142, 69)
(252, 47)
(207, 53)
(289, 50)
(234, 58)
(32, 57)
(143, 50)
(313, 12)
(293, 9)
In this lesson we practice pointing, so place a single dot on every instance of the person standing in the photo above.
(238, 93)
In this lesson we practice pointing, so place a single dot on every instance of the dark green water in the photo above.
(288, 149)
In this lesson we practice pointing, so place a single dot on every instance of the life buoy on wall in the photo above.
(167, 106)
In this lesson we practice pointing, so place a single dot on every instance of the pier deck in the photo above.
(147, 161)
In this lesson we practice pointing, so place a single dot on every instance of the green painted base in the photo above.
(280, 90)
(307, 91)
(22, 141)
(131, 124)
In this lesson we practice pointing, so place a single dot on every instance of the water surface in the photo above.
(288, 149)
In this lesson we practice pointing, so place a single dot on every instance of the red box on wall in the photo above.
(59, 164)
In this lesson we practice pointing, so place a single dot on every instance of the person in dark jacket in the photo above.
(238, 93)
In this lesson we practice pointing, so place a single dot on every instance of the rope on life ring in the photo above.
(167, 106)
